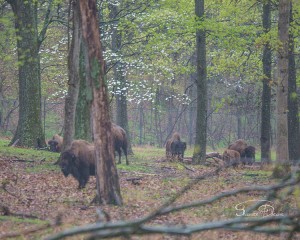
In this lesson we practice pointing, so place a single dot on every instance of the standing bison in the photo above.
(120, 141)
(177, 149)
(55, 143)
(79, 161)
(174, 147)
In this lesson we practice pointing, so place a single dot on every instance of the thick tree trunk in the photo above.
(293, 113)
(201, 122)
(282, 153)
(108, 188)
(265, 136)
(83, 109)
(73, 84)
(29, 131)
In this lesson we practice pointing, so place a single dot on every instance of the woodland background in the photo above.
(243, 50)
(156, 57)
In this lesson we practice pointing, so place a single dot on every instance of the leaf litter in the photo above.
(34, 197)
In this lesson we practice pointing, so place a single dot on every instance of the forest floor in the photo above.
(34, 193)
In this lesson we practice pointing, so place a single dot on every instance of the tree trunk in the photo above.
(266, 94)
(201, 122)
(119, 76)
(293, 113)
(29, 132)
(108, 188)
(73, 84)
(83, 109)
(141, 123)
(282, 153)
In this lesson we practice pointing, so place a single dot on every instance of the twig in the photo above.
(187, 168)
(286, 223)
(20, 160)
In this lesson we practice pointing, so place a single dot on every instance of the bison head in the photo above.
(53, 145)
(67, 162)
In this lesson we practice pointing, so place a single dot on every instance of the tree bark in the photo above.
(282, 153)
(83, 107)
(73, 84)
(293, 113)
(201, 122)
(108, 188)
(265, 134)
(29, 132)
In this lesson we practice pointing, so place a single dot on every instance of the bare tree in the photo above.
(108, 188)
(265, 137)
(293, 113)
(201, 83)
(73, 83)
(282, 151)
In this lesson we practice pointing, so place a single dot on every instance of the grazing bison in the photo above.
(55, 143)
(231, 157)
(120, 141)
(177, 149)
(79, 161)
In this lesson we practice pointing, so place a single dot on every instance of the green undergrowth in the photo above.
(22, 220)
(19, 153)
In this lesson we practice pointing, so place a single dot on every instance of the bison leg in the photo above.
(125, 153)
(119, 153)
(84, 176)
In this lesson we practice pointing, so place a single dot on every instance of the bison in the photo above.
(239, 146)
(249, 157)
(231, 157)
(174, 146)
(79, 161)
(55, 143)
(247, 152)
(120, 141)
(177, 149)
(175, 137)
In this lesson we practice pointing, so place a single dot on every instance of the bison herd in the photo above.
(79, 159)
(237, 153)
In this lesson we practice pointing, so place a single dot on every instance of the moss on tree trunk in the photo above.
(29, 131)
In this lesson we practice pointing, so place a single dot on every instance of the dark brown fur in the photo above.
(249, 155)
(79, 161)
(239, 146)
(120, 141)
(175, 137)
(231, 157)
(55, 143)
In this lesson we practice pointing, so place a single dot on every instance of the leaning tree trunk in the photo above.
(282, 153)
(73, 83)
(265, 136)
(29, 131)
(201, 122)
(108, 188)
(293, 113)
